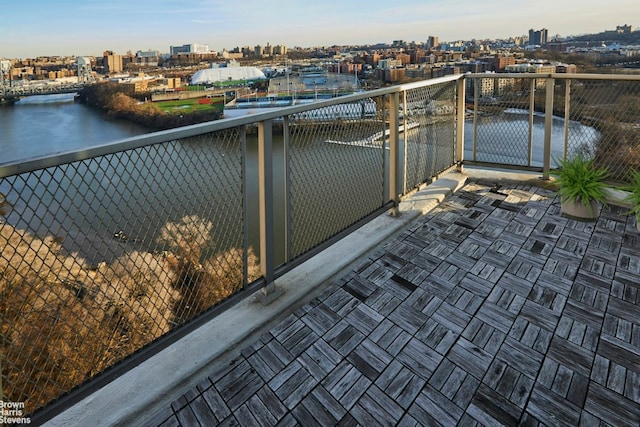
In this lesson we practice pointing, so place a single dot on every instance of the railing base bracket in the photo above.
(266, 297)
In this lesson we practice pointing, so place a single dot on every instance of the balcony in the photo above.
(487, 307)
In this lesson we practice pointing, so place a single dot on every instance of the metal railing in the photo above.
(530, 121)
(109, 249)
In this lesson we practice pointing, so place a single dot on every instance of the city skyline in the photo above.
(67, 28)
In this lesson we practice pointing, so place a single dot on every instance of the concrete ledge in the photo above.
(134, 397)
(504, 176)
(429, 197)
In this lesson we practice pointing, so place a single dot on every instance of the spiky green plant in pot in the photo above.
(633, 196)
(581, 187)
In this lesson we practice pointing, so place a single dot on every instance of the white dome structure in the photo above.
(213, 75)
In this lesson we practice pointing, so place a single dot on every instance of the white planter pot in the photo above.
(577, 210)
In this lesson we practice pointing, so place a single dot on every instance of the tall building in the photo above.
(111, 62)
(538, 38)
(500, 62)
(147, 54)
(432, 42)
(404, 58)
(280, 50)
(624, 29)
(417, 55)
(149, 57)
(189, 48)
(544, 37)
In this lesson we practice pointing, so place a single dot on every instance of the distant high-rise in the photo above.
(624, 29)
(538, 38)
(544, 37)
(433, 42)
(147, 54)
(189, 48)
(111, 62)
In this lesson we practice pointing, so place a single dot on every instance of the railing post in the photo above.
(395, 167)
(404, 147)
(265, 183)
(567, 116)
(286, 138)
(245, 207)
(462, 114)
(476, 94)
(532, 111)
(548, 124)
(385, 153)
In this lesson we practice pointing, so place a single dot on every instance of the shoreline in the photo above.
(116, 104)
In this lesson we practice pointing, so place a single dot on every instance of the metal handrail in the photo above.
(557, 76)
(159, 137)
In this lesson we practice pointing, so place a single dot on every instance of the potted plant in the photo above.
(581, 187)
(633, 195)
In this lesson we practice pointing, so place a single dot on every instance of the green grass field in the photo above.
(187, 106)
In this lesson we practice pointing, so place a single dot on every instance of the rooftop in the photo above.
(491, 309)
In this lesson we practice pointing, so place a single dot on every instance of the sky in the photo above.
(89, 27)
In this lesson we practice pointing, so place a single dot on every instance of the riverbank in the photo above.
(111, 99)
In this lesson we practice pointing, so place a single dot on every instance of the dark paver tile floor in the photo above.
(493, 309)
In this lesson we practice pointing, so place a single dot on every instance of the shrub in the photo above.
(634, 192)
(580, 181)
(64, 321)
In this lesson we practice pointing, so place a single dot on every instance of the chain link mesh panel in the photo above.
(102, 256)
(429, 131)
(603, 116)
(502, 128)
(336, 173)
(605, 122)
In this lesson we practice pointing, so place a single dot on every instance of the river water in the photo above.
(48, 124)
(158, 186)
(505, 138)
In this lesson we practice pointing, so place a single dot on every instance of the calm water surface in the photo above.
(505, 138)
(43, 125)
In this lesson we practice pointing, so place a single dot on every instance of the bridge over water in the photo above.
(13, 93)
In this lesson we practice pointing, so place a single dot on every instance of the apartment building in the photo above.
(433, 43)
(500, 62)
(111, 62)
(538, 38)
(189, 48)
